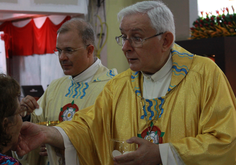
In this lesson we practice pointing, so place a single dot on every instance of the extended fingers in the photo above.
(43, 151)
(30, 102)
(126, 158)
(19, 151)
(136, 140)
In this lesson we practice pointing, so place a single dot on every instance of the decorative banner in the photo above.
(29, 40)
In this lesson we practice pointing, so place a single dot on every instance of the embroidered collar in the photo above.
(181, 62)
(161, 73)
(88, 74)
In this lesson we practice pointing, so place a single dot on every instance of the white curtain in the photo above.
(3, 67)
(36, 69)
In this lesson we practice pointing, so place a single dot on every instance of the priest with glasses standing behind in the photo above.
(84, 79)
(176, 106)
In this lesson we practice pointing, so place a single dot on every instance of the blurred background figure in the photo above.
(11, 113)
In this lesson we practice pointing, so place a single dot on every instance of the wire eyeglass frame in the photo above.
(134, 41)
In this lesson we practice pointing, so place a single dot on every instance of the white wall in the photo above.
(185, 12)
(45, 6)
(210, 6)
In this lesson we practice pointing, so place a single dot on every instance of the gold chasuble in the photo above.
(197, 115)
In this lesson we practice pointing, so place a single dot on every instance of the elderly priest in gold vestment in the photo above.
(176, 106)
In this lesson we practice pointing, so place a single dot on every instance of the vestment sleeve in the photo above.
(215, 142)
(89, 131)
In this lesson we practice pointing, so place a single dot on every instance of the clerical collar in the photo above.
(88, 74)
(162, 72)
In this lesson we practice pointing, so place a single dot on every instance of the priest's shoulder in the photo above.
(120, 79)
(123, 75)
(204, 62)
(58, 81)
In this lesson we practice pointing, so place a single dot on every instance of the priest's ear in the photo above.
(90, 50)
(168, 38)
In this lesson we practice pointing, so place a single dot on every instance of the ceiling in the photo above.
(11, 10)
(20, 16)
(17, 16)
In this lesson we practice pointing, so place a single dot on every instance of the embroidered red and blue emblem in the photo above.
(155, 135)
(68, 111)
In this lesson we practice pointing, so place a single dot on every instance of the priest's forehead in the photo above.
(139, 23)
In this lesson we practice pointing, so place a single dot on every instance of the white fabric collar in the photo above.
(162, 72)
(87, 75)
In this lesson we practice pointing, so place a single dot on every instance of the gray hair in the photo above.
(159, 14)
(85, 30)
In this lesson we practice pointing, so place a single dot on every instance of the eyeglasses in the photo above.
(67, 51)
(136, 42)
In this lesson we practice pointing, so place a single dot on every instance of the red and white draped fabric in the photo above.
(29, 48)
(38, 36)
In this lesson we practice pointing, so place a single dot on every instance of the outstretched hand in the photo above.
(30, 102)
(31, 137)
(147, 153)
